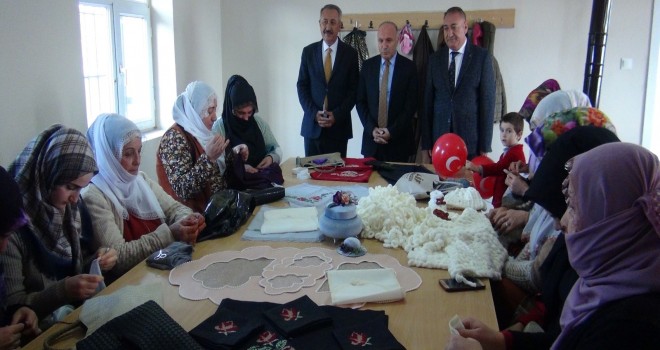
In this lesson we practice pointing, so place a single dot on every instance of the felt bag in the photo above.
(226, 212)
(353, 170)
(320, 161)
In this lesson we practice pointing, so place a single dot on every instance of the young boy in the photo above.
(511, 128)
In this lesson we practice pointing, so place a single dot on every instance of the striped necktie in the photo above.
(452, 70)
(382, 98)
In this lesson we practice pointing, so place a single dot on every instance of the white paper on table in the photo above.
(362, 286)
(290, 220)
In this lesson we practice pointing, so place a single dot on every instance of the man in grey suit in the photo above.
(465, 104)
(327, 87)
(393, 141)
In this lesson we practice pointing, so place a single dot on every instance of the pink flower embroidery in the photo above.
(226, 327)
(267, 337)
(290, 314)
(359, 339)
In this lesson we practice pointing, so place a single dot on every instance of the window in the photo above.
(117, 61)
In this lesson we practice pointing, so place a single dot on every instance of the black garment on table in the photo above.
(393, 172)
(297, 316)
(558, 277)
(225, 329)
(146, 327)
(357, 40)
(319, 339)
(421, 51)
(368, 335)
(171, 256)
(545, 188)
(239, 179)
(630, 323)
(238, 93)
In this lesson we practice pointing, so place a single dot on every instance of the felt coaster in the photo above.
(373, 335)
(298, 316)
(225, 329)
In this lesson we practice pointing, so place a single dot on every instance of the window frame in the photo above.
(128, 8)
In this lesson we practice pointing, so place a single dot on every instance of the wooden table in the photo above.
(420, 321)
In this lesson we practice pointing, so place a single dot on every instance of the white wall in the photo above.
(41, 74)
(549, 40)
(40, 71)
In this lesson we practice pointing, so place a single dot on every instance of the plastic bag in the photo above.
(226, 211)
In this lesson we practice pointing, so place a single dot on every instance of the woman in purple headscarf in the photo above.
(612, 228)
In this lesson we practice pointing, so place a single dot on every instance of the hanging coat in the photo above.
(356, 39)
(421, 52)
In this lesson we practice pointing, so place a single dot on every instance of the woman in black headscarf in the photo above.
(249, 135)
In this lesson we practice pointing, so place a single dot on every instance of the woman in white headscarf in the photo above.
(129, 211)
(187, 158)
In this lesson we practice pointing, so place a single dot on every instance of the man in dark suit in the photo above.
(389, 137)
(463, 105)
(327, 86)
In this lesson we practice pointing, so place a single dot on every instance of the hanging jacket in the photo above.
(356, 39)
(421, 52)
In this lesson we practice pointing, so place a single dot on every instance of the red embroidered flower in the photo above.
(290, 314)
(226, 327)
(267, 337)
(359, 339)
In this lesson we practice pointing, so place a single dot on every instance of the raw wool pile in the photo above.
(466, 246)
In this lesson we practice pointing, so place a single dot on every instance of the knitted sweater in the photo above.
(108, 226)
(26, 283)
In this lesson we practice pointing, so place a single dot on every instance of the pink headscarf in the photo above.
(616, 247)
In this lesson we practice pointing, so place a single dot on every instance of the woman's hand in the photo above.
(489, 338)
(187, 229)
(265, 163)
(456, 342)
(10, 336)
(250, 169)
(107, 258)
(517, 183)
(80, 287)
(28, 318)
(243, 150)
(216, 147)
(518, 167)
(506, 220)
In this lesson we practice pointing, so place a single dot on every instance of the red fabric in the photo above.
(508, 339)
(354, 171)
(477, 35)
(536, 314)
(514, 154)
(134, 227)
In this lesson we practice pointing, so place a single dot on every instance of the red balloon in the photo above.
(486, 185)
(449, 154)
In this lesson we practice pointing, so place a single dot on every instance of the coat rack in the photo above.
(501, 18)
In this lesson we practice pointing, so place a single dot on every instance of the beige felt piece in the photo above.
(277, 275)
(290, 220)
(362, 286)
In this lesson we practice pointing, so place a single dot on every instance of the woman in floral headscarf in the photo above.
(186, 163)
(129, 211)
(44, 259)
